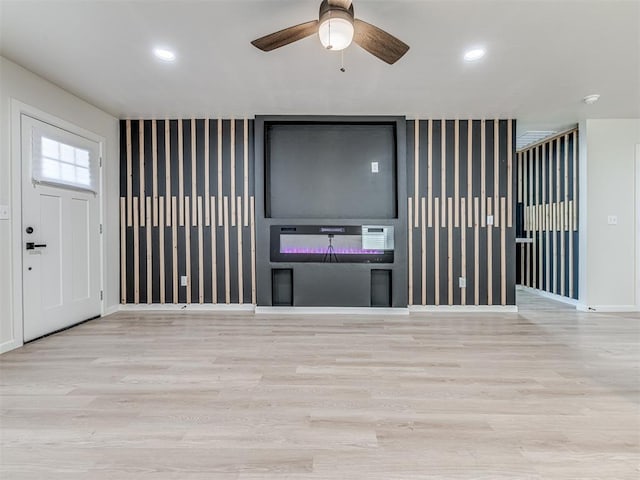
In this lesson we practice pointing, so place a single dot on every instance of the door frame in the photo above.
(18, 109)
(637, 215)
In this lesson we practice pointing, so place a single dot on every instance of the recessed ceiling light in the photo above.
(164, 54)
(474, 54)
(591, 99)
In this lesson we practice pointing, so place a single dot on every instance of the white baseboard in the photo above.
(111, 310)
(549, 295)
(607, 308)
(190, 307)
(10, 345)
(330, 311)
(463, 309)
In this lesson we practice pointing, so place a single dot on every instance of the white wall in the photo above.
(608, 252)
(28, 88)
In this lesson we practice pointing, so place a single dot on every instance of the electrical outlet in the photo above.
(183, 281)
(374, 167)
(4, 212)
(462, 282)
(489, 219)
(612, 219)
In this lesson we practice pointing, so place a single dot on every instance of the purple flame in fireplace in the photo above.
(336, 250)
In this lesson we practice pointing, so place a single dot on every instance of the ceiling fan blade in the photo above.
(286, 36)
(378, 42)
(340, 3)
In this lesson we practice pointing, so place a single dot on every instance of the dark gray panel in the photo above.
(381, 288)
(324, 171)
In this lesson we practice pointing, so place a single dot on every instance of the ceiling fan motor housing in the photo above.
(335, 11)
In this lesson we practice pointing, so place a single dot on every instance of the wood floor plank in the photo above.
(546, 393)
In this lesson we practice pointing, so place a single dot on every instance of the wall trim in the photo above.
(549, 295)
(463, 309)
(111, 310)
(330, 311)
(638, 225)
(581, 307)
(191, 307)
(10, 345)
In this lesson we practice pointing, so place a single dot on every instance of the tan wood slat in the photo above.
(187, 244)
(565, 211)
(253, 249)
(214, 252)
(570, 279)
(207, 161)
(463, 249)
(554, 258)
(503, 254)
(245, 150)
(416, 170)
(180, 172)
(539, 244)
(200, 253)
(575, 185)
(470, 171)
(509, 173)
(136, 251)
(167, 166)
(443, 172)
(123, 250)
(430, 173)
(450, 250)
(519, 157)
(240, 255)
(142, 194)
(534, 246)
(562, 251)
(483, 173)
(476, 252)
(129, 174)
(232, 161)
(154, 153)
(496, 172)
(522, 253)
(436, 245)
(423, 252)
(174, 248)
(456, 174)
(149, 252)
(161, 253)
(490, 255)
(410, 247)
(227, 274)
(548, 249)
(220, 204)
(194, 166)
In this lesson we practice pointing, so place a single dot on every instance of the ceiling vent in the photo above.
(533, 136)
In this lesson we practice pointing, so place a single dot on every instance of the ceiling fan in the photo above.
(337, 28)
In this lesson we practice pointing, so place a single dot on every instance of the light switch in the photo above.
(462, 282)
(489, 219)
(4, 212)
(183, 281)
(374, 167)
(612, 219)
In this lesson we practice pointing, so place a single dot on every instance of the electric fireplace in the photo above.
(332, 244)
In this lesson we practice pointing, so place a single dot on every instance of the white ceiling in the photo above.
(543, 57)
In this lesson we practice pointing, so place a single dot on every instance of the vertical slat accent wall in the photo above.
(460, 171)
(549, 215)
(185, 212)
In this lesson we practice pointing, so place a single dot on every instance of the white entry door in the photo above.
(60, 228)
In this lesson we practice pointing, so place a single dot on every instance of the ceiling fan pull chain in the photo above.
(342, 69)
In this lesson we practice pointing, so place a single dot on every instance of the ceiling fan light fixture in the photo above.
(336, 32)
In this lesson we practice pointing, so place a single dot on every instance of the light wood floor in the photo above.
(545, 394)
